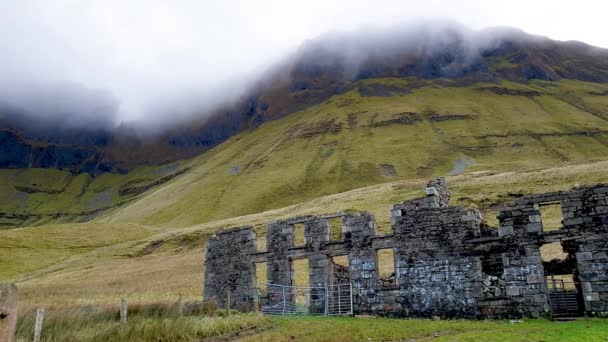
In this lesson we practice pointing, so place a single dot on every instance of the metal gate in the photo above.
(329, 300)
(564, 298)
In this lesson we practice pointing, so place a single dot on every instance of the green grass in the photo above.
(499, 62)
(157, 324)
(29, 249)
(279, 165)
(383, 329)
(42, 196)
(96, 263)
(160, 322)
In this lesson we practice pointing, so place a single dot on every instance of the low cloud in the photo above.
(175, 99)
(66, 105)
(152, 64)
(425, 39)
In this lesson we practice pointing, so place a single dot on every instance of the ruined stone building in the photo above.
(446, 261)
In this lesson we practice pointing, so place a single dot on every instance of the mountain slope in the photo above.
(35, 196)
(345, 111)
(320, 69)
(352, 140)
(382, 130)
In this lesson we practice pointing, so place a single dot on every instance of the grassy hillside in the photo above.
(38, 196)
(382, 130)
(352, 140)
(78, 272)
(33, 248)
(92, 263)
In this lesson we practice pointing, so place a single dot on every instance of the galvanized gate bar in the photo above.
(564, 302)
(292, 300)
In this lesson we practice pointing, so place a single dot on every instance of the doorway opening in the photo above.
(300, 279)
(560, 268)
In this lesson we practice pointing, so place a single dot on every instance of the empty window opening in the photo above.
(551, 216)
(552, 251)
(335, 228)
(383, 225)
(339, 270)
(261, 235)
(300, 273)
(341, 260)
(298, 234)
(386, 265)
(490, 218)
(301, 279)
(261, 276)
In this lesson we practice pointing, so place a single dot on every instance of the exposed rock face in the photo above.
(446, 263)
(8, 312)
(14, 152)
(512, 92)
(18, 153)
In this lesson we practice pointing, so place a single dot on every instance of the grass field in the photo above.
(382, 329)
(160, 323)
(97, 263)
(31, 197)
(93, 265)
(164, 325)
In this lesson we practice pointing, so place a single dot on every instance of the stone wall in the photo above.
(8, 312)
(446, 262)
(592, 258)
(228, 267)
(584, 227)
(440, 287)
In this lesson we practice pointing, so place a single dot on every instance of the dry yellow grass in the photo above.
(143, 274)
(151, 278)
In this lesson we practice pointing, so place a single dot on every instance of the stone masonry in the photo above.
(447, 262)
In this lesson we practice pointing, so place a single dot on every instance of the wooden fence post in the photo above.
(180, 306)
(123, 310)
(38, 325)
(8, 312)
(228, 303)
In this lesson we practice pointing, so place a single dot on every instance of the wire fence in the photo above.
(331, 300)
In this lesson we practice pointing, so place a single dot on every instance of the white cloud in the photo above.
(143, 51)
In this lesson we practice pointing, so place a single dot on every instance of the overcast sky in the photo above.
(142, 51)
